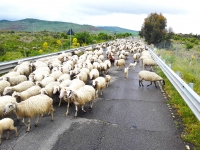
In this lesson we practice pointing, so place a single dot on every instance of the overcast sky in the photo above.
(182, 16)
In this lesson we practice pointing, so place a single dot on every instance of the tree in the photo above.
(83, 38)
(153, 28)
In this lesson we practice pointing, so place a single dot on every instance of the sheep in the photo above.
(10, 74)
(3, 101)
(34, 106)
(94, 73)
(148, 62)
(74, 85)
(136, 57)
(63, 77)
(108, 79)
(45, 81)
(32, 91)
(82, 76)
(82, 96)
(119, 63)
(48, 89)
(7, 124)
(99, 84)
(56, 74)
(150, 76)
(132, 65)
(14, 80)
(18, 88)
(3, 85)
(126, 72)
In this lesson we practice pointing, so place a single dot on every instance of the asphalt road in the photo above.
(125, 117)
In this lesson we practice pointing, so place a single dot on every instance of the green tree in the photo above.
(153, 28)
(83, 37)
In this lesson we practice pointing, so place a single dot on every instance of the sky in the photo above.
(182, 16)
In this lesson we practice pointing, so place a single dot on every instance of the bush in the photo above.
(189, 45)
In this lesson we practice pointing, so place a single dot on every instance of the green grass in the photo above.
(187, 64)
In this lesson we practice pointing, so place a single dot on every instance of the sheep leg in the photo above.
(76, 111)
(149, 84)
(83, 109)
(140, 83)
(8, 134)
(155, 84)
(91, 104)
(37, 121)
(101, 91)
(67, 112)
(0, 136)
(23, 121)
(29, 125)
(60, 102)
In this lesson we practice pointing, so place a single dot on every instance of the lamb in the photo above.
(99, 84)
(150, 76)
(75, 85)
(14, 80)
(148, 62)
(126, 72)
(3, 85)
(3, 101)
(18, 88)
(108, 79)
(119, 63)
(94, 73)
(32, 91)
(132, 65)
(82, 96)
(7, 124)
(34, 106)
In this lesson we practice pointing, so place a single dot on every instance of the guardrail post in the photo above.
(191, 85)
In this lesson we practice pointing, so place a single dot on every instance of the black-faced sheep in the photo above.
(82, 96)
(34, 106)
(150, 76)
(7, 124)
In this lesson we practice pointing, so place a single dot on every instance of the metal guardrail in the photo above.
(190, 97)
(7, 66)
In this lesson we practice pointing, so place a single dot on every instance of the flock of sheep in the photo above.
(31, 88)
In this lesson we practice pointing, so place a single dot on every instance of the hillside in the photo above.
(33, 25)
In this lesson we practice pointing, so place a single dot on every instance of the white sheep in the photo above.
(56, 74)
(82, 96)
(18, 88)
(119, 63)
(94, 73)
(63, 77)
(48, 89)
(126, 72)
(148, 62)
(108, 79)
(3, 101)
(32, 91)
(133, 65)
(82, 76)
(10, 74)
(150, 76)
(3, 85)
(45, 81)
(136, 57)
(74, 85)
(34, 106)
(7, 124)
(99, 84)
(14, 80)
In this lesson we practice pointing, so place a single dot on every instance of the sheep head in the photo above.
(9, 107)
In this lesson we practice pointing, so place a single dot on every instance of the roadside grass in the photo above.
(188, 67)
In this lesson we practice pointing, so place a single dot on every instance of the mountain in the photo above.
(33, 25)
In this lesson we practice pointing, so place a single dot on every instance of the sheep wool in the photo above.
(82, 96)
(7, 124)
(3, 85)
(149, 76)
(34, 106)
(99, 84)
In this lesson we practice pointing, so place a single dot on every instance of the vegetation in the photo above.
(153, 29)
(184, 59)
(15, 45)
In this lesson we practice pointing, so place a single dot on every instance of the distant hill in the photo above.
(33, 25)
